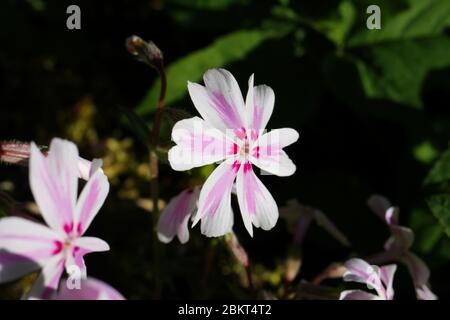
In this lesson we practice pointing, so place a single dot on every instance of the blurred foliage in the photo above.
(371, 107)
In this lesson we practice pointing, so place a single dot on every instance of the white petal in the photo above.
(259, 104)
(270, 156)
(25, 246)
(91, 200)
(174, 218)
(54, 182)
(198, 144)
(214, 205)
(255, 201)
(220, 103)
(387, 276)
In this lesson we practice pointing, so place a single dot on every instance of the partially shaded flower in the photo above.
(174, 218)
(378, 279)
(27, 246)
(398, 246)
(90, 289)
(233, 131)
(236, 249)
(300, 217)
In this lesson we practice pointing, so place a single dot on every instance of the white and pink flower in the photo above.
(26, 246)
(378, 279)
(398, 247)
(232, 131)
(175, 217)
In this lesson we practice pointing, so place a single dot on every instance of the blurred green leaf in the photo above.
(393, 62)
(396, 70)
(440, 171)
(424, 18)
(208, 4)
(440, 207)
(223, 51)
(137, 125)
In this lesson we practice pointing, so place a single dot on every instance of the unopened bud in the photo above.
(146, 52)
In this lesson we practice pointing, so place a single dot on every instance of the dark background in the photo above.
(371, 107)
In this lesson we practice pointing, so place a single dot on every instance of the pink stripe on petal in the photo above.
(91, 199)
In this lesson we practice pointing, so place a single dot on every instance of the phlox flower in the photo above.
(232, 131)
(378, 279)
(26, 246)
(398, 247)
(174, 218)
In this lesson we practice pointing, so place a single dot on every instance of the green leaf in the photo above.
(137, 125)
(394, 61)
(396, 70)
(440, 171)
(440, 207)
(423, 18)
(225, 50)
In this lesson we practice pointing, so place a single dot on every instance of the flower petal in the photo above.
(387, 276)
(269, 154)
(91, 244)
(90, 201)
(417, 268)
(214, 205)
(25, 246)
(47, 282)
(198, 144)
(379, 205)
(402, 239)
(220, 102)
(259, 104)
(90, 289)
(424, 293)
(358, 295)
(255, 201)
(360, 271)
(54, 183)
(175, 217)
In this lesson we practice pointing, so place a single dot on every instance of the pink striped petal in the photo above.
(269, 155)
(387, 276)
(360, 271)
(91, 199)
(90, 289)
(54, 183)
(198, 144)
(256, 203)
(214, 205)
(220, 102)
(358, 295)
(48, 281)
(24, 247)
(259, 104)
(175, 217)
